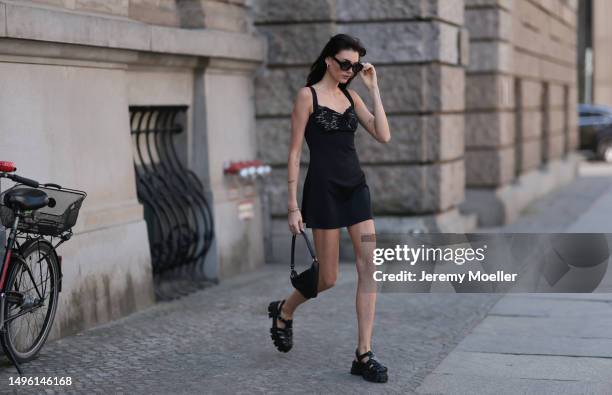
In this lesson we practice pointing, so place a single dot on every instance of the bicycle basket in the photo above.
(48, 221)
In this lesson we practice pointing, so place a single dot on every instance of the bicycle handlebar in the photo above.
(9, 167)
(27, 181)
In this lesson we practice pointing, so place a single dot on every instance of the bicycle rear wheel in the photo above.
(33, 283)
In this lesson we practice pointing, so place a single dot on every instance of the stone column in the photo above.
(419, 50)
(224, 129)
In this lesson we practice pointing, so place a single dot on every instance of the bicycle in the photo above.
(36, 215)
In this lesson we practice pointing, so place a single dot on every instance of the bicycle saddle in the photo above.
(26, 199)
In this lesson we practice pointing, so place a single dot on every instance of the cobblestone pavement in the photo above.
(217, 341)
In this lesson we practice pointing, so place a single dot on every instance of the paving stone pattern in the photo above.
(217, 341)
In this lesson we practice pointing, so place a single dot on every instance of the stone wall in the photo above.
(230, 15)
(419, 49)
(69, 70)
(521, 124)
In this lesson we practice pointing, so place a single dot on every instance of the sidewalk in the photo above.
(542, 343)
(217, 340)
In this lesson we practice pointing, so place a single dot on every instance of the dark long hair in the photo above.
(335, 44)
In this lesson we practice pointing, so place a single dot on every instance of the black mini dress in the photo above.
(335, 192)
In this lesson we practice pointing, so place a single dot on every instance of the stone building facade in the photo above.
(521, 126)
(480, 97)
(70, 70)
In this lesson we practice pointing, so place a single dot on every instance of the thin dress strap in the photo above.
(314, 99)
(348, 95)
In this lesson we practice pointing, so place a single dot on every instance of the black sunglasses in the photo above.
(345, 65)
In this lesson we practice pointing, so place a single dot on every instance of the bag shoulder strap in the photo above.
(310, 249)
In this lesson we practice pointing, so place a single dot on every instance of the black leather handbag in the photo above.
(307, 282)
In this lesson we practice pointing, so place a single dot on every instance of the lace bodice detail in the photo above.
(330, 120)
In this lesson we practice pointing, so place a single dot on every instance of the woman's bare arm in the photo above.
(376, 124)
(299, 118)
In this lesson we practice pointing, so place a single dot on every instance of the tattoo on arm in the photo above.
(372, 122)
(294, 163)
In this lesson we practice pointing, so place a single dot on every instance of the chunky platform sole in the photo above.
(379, 378)
(358, 369)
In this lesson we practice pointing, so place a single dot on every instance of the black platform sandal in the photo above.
(371, 370)
(282, 337)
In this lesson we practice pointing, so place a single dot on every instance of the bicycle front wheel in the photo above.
(33, 283)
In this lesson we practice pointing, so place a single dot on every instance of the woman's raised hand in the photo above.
(368, 74)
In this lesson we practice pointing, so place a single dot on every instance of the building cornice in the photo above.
(75, 33)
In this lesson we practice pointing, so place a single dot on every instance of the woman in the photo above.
(335, 192)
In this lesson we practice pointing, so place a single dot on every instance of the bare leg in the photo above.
(365, 299)
(327, 249)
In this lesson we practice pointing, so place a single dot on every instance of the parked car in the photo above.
(595, 123)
